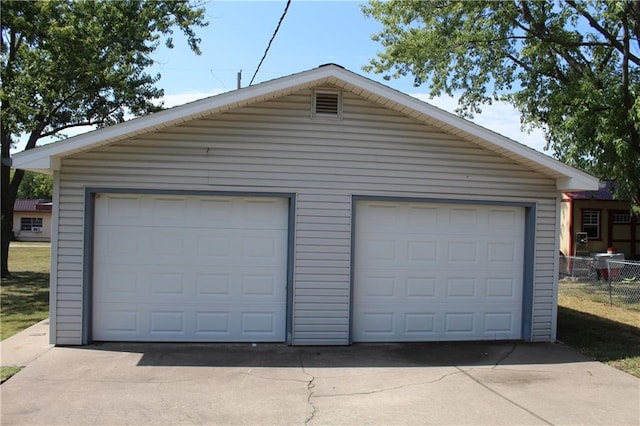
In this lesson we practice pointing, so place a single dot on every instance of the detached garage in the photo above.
(318, 208)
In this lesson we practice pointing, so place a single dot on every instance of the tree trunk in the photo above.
(6, 226)
(9, 194)
(7, 233)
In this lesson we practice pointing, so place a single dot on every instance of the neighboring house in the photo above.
(606, 221)
(321, 208)
(32, 220)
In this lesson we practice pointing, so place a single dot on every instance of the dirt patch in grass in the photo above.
(25, 296)
(609, 334)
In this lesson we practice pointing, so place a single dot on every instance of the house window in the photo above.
(28, 223)
(621, 218)
(591, 223)
(327, 104)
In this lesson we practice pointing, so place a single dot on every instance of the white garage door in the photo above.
(437, 272)
(190, 268)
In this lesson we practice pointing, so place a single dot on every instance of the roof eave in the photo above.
(38, 164)
(35, 159)
(577, 183)
(568, 179)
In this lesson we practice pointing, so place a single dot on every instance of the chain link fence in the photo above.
(624, 281)
(614, 281)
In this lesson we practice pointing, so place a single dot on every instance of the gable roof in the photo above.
(47, 158)
(32, 205)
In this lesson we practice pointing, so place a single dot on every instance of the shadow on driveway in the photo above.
(409, 384)
(357, 355)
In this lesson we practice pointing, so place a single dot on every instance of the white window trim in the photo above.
(597, 224)
(620, 218)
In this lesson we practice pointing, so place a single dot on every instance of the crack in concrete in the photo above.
(275, 379)
(408, 385)
(508, 354)
(495, 392)
(310, 386)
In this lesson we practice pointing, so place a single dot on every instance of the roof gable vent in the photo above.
(327, 104)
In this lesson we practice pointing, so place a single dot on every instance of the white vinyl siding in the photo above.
(276, 146)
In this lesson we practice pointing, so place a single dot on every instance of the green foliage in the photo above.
(571, 68)
(36, 186)
(66, 63)
(71, 63)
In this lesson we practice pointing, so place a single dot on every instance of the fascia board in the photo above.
(38, 164)
(577, 184)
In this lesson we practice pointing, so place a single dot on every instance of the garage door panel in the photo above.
(148, 283)
(422, 251)
(423, 325)
(504, 219)
(210, 322)
(421, 288)
(182, 268)
(120, 321)
(384, 216)
(161, 246)
(460, 288)
(419, 253)
(502, 288)
(500, 322)
(506, 251)
(190, 211)
(437, 272)
(419, 323)
(413, 285)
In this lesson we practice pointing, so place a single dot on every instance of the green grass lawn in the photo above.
(25, 296)
(625, 294)
(610, 334)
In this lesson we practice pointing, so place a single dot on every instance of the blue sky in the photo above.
(312, 33)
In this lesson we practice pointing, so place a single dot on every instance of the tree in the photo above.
(570, 68)
(35, 186)
(78, 63)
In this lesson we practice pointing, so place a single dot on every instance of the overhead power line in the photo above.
(284, 13)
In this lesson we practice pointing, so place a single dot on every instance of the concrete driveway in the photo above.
(470, 383)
